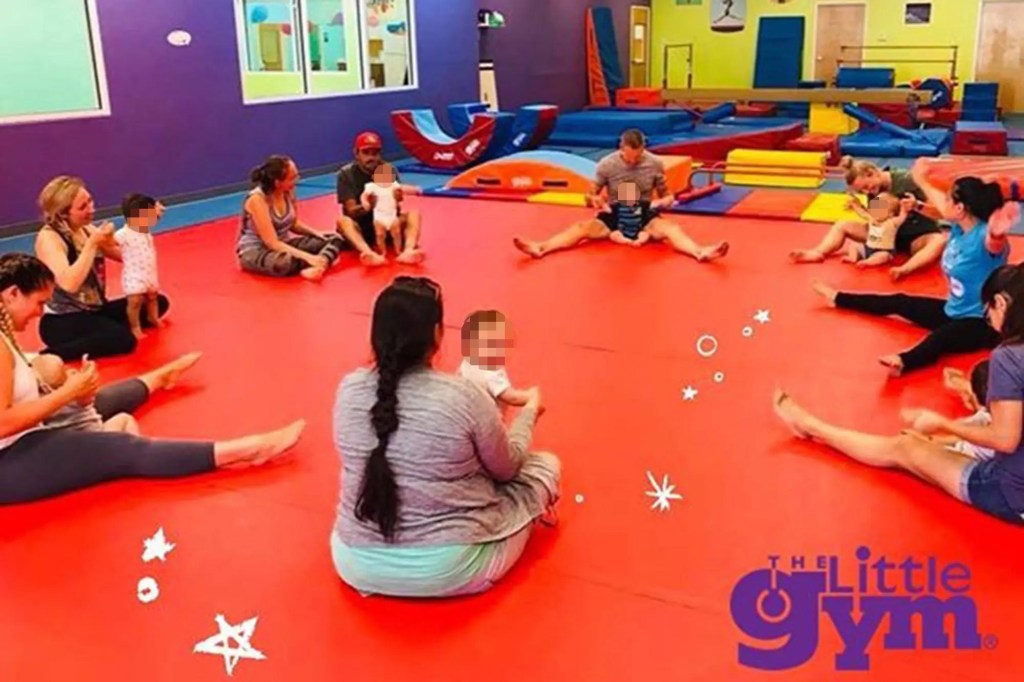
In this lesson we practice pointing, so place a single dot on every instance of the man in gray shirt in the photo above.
(632, 163)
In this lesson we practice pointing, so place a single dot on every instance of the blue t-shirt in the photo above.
(967, 263)
(1006, 382)
(629, 218)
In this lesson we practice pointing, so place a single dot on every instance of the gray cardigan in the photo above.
(462, 479)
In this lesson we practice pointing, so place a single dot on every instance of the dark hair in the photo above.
(24, 271)
(133, 203)
(979, 381)
(981, 199)
(1008, 281)
(471, 327)
(270, 172)
(405, 320)
(633, 138)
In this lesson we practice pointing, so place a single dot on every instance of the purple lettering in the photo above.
(956, 572)
(932, 613)
(931, 575)
(882, 566)
(797, 563)
(856, 635)
(833, 576)
(909, 566)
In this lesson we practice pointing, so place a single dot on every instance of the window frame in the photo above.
(99, 73)
(303, 56)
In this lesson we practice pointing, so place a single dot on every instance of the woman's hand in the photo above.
(82, 384)
(102, 234)
(924, 421)
(1003, 220)
(315, 261)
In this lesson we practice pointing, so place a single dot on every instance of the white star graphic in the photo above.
(156, 547)
(662, 493)
(762, 316)
(219, 644)
(689, 393)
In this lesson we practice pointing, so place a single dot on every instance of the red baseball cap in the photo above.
(368, 140)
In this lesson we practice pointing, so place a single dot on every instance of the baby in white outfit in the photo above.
(53, 373)
(139, 275)
(386, 206)
(484, 340)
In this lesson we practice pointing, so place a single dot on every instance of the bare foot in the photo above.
(313, 274)
(715, 252)
(372, 259)
(411, 257)
(825, 291)
(529, 248)
(258, 450)
(167, 376)
(138, 333)
(804, 256)
(792, 414)
(550, 517)
(898, 273)
(894, 363)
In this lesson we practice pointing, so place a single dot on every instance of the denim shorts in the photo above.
(980, 486)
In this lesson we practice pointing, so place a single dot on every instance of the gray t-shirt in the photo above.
(1006, 382)
(462, 479)
(648, 174)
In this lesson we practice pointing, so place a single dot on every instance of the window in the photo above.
(51, 61)
(918, 13)
(294, 49)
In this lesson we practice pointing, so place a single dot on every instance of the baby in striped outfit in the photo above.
(629, 215)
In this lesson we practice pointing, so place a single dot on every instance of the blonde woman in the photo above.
(919, 237)
(79, 319)
(37, 462)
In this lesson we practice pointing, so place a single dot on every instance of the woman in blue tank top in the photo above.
(272, 240)
(976, 247)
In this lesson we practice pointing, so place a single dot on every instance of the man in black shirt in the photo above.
(356, 222)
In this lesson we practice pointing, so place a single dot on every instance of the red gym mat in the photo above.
(773, 203)
(618, 591)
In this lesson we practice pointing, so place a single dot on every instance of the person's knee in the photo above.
(163, 304)
(123, 342)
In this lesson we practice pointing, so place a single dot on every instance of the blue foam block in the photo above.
(719, 203)
(865, 77)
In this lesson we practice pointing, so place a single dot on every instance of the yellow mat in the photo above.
(830, 207)
(559, 198)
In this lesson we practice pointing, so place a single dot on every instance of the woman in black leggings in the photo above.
(79, 317)
(37, 462)
(977, 245)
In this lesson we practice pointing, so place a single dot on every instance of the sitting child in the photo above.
(885, 215)
(386, 206)
(52, 373)
(139, 276)
(483, 348)
(629, 216)
(973, 392)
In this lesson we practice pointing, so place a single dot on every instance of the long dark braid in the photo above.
(406, 317)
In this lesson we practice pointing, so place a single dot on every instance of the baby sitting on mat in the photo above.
(484, 340)
(885, 214)
(52, 373)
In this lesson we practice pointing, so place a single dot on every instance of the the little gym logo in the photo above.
(917, 603)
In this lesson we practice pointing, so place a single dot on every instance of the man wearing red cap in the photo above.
(356, 221)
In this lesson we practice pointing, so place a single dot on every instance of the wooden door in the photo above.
(836, 25)
(639, 46)
(1001, 52)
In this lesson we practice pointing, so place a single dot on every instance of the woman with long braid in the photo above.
(437, 499)
(37, 462)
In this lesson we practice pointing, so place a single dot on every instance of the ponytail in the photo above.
(268, 173)
(981, 199)
(856, 169)
(406, 318)
(378, 496)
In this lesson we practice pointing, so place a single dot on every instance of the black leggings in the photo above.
(102, 333)
(45, 463)
(948, 335)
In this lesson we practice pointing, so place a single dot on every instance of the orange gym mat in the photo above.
(619, 590)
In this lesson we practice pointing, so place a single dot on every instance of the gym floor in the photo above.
(619, 590)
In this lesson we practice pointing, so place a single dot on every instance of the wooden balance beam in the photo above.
(814, 95)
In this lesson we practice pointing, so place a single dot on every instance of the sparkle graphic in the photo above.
(579, 499)
(220, 644)
(156, 547)
(748, 332)
(707, 345)
(147, 590)
(662, 493)
(762, 316)
(719, 377)
(689, 393)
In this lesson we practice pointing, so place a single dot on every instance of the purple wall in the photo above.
(178, 122)
(540, 55)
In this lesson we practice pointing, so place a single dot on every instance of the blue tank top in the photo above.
(967, 263)
(248, 237)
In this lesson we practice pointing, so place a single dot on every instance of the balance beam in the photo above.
(814, 95)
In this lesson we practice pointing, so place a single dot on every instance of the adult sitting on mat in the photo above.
(919, 237)
(437, 499)
(977, 246)
(995, 486)
(356, 221)
(631, 163)
(273, 241)
(37, 462)
(79, 319)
